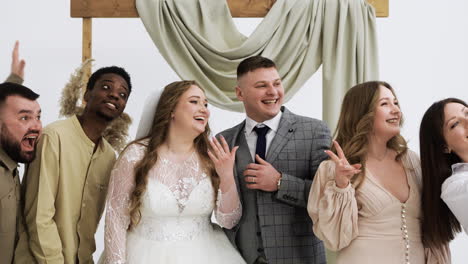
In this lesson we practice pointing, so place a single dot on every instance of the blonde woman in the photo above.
(164, 188)
(366, 201)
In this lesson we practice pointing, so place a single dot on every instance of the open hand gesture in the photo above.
(17, 65)
(223, 159)
(343, 170)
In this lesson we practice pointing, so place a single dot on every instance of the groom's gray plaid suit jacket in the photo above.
(285, 226)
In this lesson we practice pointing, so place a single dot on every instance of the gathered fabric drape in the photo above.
(200, 41)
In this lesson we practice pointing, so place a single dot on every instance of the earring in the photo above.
(447, 150)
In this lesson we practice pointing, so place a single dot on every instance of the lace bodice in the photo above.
(180, 178)
(177, 204)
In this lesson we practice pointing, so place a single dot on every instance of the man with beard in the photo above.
(66, 185)
(20, 126)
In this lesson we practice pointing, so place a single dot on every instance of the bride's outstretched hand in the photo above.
(343, 170)
(223, 158)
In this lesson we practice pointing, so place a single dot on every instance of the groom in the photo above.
(278, 155)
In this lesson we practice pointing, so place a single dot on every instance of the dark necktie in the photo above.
(260, 148)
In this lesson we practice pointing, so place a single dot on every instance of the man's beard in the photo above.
(13, 148)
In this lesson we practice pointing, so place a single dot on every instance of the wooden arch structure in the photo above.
(88, 9)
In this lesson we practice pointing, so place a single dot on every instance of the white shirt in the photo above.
(251, 135)
(455, 193)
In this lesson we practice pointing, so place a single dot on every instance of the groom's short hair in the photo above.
(253, 63)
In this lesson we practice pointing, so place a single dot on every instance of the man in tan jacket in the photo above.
(65, 186)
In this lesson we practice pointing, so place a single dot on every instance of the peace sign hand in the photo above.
(343, 170)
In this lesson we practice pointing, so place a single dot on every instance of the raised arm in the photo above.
(17, 66)
(332, 204)
(228, 207)
(121, 186)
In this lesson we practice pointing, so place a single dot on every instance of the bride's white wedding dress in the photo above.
(176, 209)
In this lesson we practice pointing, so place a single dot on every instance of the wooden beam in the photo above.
(380, 6)
(87, 51)
(246, 8)
(87, 9)
(239, 8)
(103, 8)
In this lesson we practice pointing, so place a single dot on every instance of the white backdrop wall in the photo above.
(423, 48)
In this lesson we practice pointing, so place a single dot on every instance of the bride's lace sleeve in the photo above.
(228, 208)
(121, 185)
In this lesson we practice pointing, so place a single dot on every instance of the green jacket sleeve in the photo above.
(14, 79)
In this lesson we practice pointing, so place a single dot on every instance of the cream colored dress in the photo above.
(370, 225)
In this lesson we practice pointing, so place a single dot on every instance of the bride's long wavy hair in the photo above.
(157, 136)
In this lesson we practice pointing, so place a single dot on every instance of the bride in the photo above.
(165, 186)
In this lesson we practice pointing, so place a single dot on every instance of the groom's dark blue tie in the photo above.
(260, 148)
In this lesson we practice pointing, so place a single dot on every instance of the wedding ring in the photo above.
(253, 179)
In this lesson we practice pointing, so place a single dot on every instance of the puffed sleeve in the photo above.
(455, 194)
(333, 210)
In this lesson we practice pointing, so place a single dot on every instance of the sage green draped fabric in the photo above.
(200, 41)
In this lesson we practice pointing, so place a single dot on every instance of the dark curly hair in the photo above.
(112, 69)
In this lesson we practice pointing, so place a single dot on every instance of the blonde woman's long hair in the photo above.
(157, 136)
(356, 124)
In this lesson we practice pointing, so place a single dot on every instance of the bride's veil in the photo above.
(147, 114)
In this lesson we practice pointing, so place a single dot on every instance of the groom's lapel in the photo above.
(284, 133)
(243, 157)
(237, 138)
